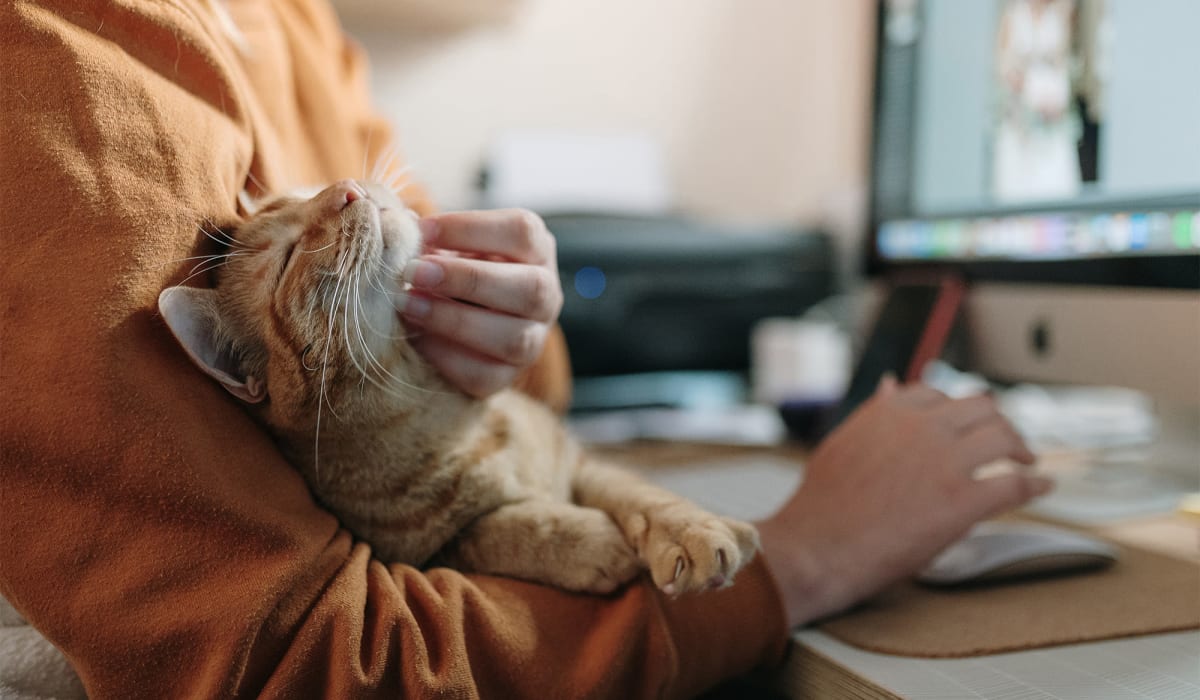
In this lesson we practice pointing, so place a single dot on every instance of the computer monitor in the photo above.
(1049, 152)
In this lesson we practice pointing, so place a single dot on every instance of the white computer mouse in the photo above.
(994, 551)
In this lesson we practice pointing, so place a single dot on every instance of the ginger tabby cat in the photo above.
(301, 325)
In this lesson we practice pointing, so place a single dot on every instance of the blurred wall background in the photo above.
(760, 106)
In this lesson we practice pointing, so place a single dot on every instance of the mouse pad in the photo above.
(1142, 593)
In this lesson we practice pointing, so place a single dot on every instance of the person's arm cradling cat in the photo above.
(485, 296)
(153, 531)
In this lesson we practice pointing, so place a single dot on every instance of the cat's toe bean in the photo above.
(697, 553)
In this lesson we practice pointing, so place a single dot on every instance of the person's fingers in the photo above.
(515, 234)
(887, 385)
(508, 339)
(472, 373)
(528, 291)
(920, 395)
(989, 441)
(999, 494)
(961, 415)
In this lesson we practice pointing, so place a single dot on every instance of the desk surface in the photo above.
(1155, 666)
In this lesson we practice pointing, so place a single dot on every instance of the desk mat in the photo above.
(1142, 593)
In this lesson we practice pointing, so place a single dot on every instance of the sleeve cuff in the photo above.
(726, 633)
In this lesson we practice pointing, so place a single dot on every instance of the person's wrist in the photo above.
(804, 584)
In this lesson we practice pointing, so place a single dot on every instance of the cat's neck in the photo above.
(389, 425)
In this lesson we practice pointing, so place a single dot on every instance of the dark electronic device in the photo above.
(649, 294)
(911, 329)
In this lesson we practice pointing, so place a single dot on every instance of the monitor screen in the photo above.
(1015, 132)
(1047, 152)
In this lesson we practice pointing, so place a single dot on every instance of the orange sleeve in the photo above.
(150, 529)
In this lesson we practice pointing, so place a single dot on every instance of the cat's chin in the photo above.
(400, 236)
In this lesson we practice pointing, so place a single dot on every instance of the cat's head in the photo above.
(302, 310)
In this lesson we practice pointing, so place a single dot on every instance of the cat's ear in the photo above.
(195, 321)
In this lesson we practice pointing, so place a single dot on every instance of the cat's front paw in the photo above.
(688, 549)
(600, 564)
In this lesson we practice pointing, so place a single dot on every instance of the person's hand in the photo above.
(484, 296)
(887, 491)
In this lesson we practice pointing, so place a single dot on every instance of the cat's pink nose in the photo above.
(342, 193)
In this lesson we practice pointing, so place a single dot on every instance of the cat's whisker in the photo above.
(346, 329)
(221, 259)
(366, 320)
(389, 295)
(340, 294)
(256, 182)
(219, 241)
(388, 268)
(394, 177)
(376, 280)
(397, 173)
(319, 296)
(367, 149)
(376, 283)
(383, 166)
(322, 394)
(373, 362)
(381, 159)
(304, 359)
(327, 246)
(398, 185)
(369, 356)
(213, 256)
(205, 267)
(220, 236)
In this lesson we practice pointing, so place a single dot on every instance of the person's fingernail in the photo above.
(400, 301)
(410, 305)
(417, 307)
(422, 273)
(429, 229)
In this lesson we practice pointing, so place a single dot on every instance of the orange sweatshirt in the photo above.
(149, 528)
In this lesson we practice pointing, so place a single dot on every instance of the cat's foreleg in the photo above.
(685, 547)
(547, 541)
